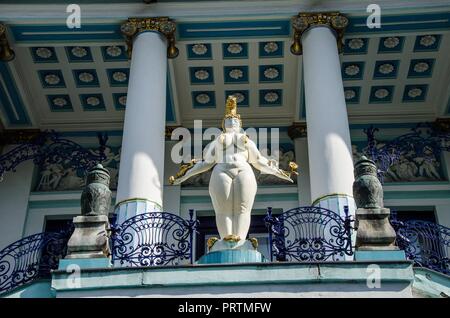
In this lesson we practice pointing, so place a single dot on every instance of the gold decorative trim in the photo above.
(169, 130)
(297, 130)
(232, 238)
(231, 110)
(163, 25)
(183, 169)
(211, 241)
(6, 52)
(331, 195)
(254, 242)
(304, 21)
(293, 168)
(136, 199)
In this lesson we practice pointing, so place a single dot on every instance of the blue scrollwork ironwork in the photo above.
(31, 258)
(309, 234)
(426, 243)
(48, 147)
(154, 239)
(424, 141)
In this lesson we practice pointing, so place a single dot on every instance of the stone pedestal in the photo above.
(232, 252)
(88, 247)
(374, 230)
(379, 255)
(375, 238)
(232, 257)
(90, 238)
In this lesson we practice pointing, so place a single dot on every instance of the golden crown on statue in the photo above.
(231, 110)
(231, 107)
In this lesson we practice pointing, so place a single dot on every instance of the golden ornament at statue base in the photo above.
(232, 238)
(211, 241)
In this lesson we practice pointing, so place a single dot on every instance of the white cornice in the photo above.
(207, 9)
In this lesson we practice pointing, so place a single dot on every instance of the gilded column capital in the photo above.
(169, 130)
(297, 130)
(163, 25)
(6, 52)
(304, 21)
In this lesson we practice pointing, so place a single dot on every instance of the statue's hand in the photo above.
(293, 166)
(176, 181)
(181, 175)
(285, 176)
(172, 180)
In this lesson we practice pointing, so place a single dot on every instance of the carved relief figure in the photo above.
(61, 177)
(50, 177)
(410, 166)
(70, 180)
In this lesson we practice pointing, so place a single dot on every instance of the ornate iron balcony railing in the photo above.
(153, 239)
(426, 243)
(308, 234)
(31, 258)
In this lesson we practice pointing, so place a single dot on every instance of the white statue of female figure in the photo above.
(232, 186)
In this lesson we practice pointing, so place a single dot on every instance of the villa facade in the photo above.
(117, 83)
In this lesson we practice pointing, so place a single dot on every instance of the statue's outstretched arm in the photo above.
(257, 160)
(190, 170)
(194, 167)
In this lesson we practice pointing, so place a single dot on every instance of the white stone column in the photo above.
(297, 132)
(140, 184)
(329, 146)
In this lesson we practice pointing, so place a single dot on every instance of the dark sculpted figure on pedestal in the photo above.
(367, 189)
(372, 218)
(90, 237)
(96, 196)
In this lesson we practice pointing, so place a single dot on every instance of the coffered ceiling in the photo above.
(77, 79)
